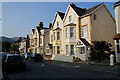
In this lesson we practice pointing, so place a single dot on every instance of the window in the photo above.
(40, 40)
(70, 18)
(35, 42)
(72, 49)
(54, 35)
(57, 24)
(94, 17)
(67, 50)
(58, 35)
(71, 32)
(36, 34)
(82, 50)
(36, 50)
(118, 47)
(58, 49)
(47, 50)
(66, 32)
(54, 49)
(85, 31)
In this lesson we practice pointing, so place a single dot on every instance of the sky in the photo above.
(18, 18)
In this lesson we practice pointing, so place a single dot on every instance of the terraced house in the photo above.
(117, 36)
(24, 44)
(38, 38)
(72, 33)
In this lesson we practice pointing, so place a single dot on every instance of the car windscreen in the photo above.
(15, 58)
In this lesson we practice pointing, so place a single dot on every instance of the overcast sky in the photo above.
(18, 18)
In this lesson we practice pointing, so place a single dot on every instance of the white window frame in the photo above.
(72, 32)
(57, 24)
(58, 36)
(70, 21)
(84, 32)
(72, 49)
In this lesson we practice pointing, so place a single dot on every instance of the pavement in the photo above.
(100, 68)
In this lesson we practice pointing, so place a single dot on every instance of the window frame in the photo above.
(71, 32)
(94, 16)
(58, 36)
(40, 40)
(70, 19)
(58, 50)
(72, 50)
(54, 36)
(118, 46)
(57, 24)
(86, 32)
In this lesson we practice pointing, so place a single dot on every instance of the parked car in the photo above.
(14, 61)
(28, 56)
(36, 57)
(1, 76)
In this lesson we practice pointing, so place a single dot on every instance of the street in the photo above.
(34, 70)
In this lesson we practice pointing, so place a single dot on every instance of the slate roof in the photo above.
(78, 10)
(61, 14)
(40, 28)
(85, 41)
(117, 36)
(33, 30)
(88, 11)
(116, 4)
(82, 12)
(57, 28)
(71, 24)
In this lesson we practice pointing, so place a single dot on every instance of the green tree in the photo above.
(14, 47)
(99, 50)
(6, 46)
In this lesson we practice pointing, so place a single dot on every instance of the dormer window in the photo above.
(57, 24)
(70, 18)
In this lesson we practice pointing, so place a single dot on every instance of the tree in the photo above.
(99, 50)
(14, 47)
(6, 46)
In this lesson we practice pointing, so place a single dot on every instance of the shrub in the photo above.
(99, 49)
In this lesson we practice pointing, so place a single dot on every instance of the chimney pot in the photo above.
(50, 25)
(40, 24)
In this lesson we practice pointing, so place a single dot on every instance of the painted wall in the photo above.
(70, 41)
(117, 17)
(103, 28)
(86, 22)
(57, 42)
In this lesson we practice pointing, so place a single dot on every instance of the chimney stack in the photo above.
(40, 24)
(50, 25)
(72, 4)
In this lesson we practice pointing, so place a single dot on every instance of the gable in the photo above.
(100, 7)
(79, 43)
(69, 10)
(57, 18)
